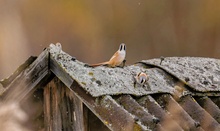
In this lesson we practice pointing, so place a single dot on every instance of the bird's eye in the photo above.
(121, 47)
(142, 80)
(124, 47)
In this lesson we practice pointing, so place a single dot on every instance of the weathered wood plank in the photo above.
(73, 116)
(155, 109)
(55, 101)
(51, 108)
(207, 104)
(7, 81)
(60, 73)
(34, 75)
(62, 111)
(78, 114)
(94, 123)
(139, 112)
(85, 118)
(207, 122)
(178, 113)
(47, 112)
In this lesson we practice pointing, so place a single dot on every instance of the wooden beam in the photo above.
(178, 113)
(7, 81)
(207, 104)
(139, 112)
(60, 73)
(51, 107)
(47, 109)
(207, 122)
(155, 109)
(36, 74)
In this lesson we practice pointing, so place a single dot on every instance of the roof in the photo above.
(200, 74)
(179, 94)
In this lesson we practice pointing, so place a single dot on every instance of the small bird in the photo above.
(117, 59)
(141, 78)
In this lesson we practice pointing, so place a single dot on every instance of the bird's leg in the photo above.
(135, 83)
(123, 63)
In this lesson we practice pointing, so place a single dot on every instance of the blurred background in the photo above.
(92, 30)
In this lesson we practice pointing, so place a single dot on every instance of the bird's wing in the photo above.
(114, 56)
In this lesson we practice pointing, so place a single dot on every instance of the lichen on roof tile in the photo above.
(201, 74)
(112, 81)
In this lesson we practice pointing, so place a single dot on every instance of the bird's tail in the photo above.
(99, 64)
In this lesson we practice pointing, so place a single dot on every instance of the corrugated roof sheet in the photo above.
(201, 74)
(111, 81)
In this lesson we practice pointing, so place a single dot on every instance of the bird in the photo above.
(141, 78)
(116, 60)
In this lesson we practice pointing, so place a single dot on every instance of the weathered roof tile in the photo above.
(113, 81)
(201, 74)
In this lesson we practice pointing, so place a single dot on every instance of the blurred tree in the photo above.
(92, 30)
